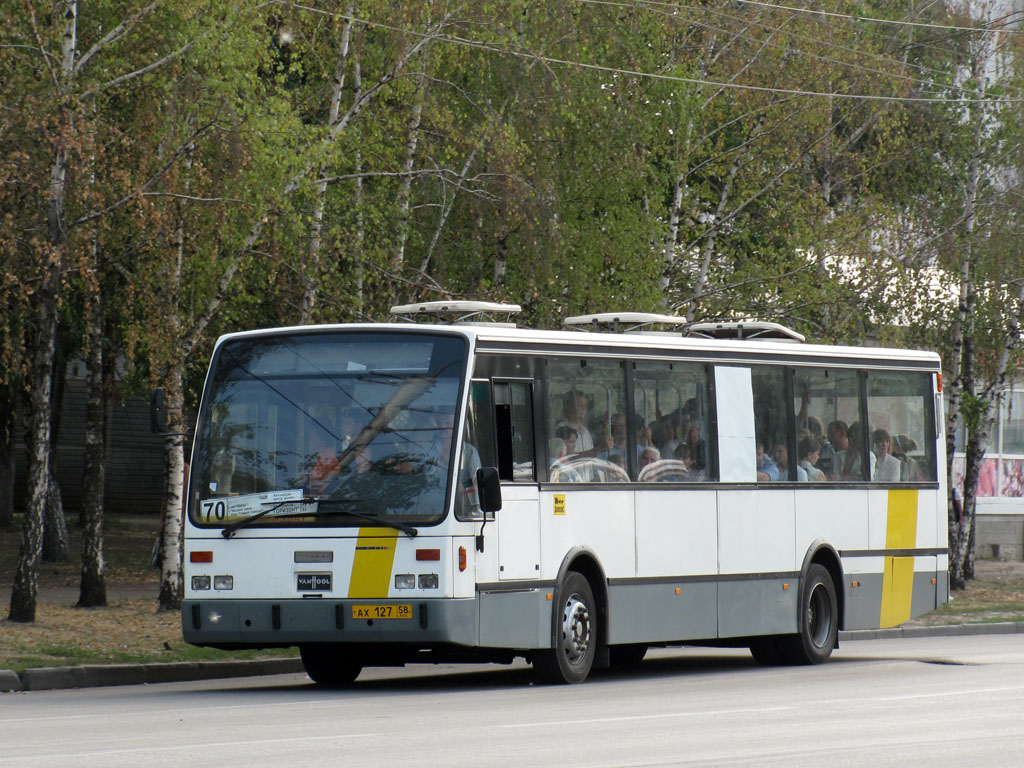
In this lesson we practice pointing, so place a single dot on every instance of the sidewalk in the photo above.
(51, 678)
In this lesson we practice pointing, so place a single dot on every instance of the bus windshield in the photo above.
(328, 429)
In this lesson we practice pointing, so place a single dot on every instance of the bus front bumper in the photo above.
(268, 623)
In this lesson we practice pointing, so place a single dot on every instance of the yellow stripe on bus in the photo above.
(371, 567)
(898, 577)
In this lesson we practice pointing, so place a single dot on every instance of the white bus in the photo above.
(382, 494)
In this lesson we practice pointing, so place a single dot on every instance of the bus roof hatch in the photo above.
(450, 312)
(627, 322)
(747, 330)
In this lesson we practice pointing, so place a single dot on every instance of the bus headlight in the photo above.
(428, 581)
(405, 581)
(200, 582)
(223, 582)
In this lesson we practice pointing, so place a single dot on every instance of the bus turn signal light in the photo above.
(200, 557)
(462, 558)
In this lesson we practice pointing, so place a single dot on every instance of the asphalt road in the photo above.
(944, 701)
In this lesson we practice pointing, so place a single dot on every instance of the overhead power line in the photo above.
(990, 28)
(532, 56)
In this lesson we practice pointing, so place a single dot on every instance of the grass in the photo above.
(131, 630)
(996, 594)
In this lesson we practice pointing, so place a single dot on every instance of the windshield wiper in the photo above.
(405, 528)
(229, 530)
(408, 530)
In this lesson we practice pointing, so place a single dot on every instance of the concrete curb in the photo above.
(948, 630)
(51, 678)
(91, 676)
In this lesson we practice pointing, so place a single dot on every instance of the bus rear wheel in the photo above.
(818, 620)
(330, 665)
(575, 636)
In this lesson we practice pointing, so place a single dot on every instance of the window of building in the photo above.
(1012, 423)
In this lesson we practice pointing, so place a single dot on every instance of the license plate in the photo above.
(403, 611)
(313, 582)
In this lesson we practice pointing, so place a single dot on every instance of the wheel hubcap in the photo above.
(575, 629)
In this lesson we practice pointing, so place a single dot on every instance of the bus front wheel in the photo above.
(330, 665)
(575, 636)
(818, 620)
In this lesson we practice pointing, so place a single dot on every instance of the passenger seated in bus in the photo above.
(649, 455)
(887, 467)
(684, 455)
(781, 455)
(617, 442)
(559, 470)
(569, 438)
(767, 470)
(902, 447)
(852, 462)
(838, 443)
(808, 450)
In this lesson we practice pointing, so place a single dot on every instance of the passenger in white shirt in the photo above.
(887, 466)
(808, 449)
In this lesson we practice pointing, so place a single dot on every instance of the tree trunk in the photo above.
(405, 189)
(93, 588)
(55, 525)
(26, 577)
(964, 401)
(171, 585)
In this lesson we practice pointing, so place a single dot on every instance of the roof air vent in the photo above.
(451, 312)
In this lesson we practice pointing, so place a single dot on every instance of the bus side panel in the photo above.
(515, 619)
(662, 612)
(756, 531)
(757, 606)
(676, 538)
(758, 588)
(925, 586)
(863, 592)
(676, 533)
(598, 521)
(836, 515)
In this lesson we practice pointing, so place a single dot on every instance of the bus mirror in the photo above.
(488, 489)
(157, 412)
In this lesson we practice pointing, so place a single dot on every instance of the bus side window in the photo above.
(513, 427)
(477, 449)
(902, 437)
